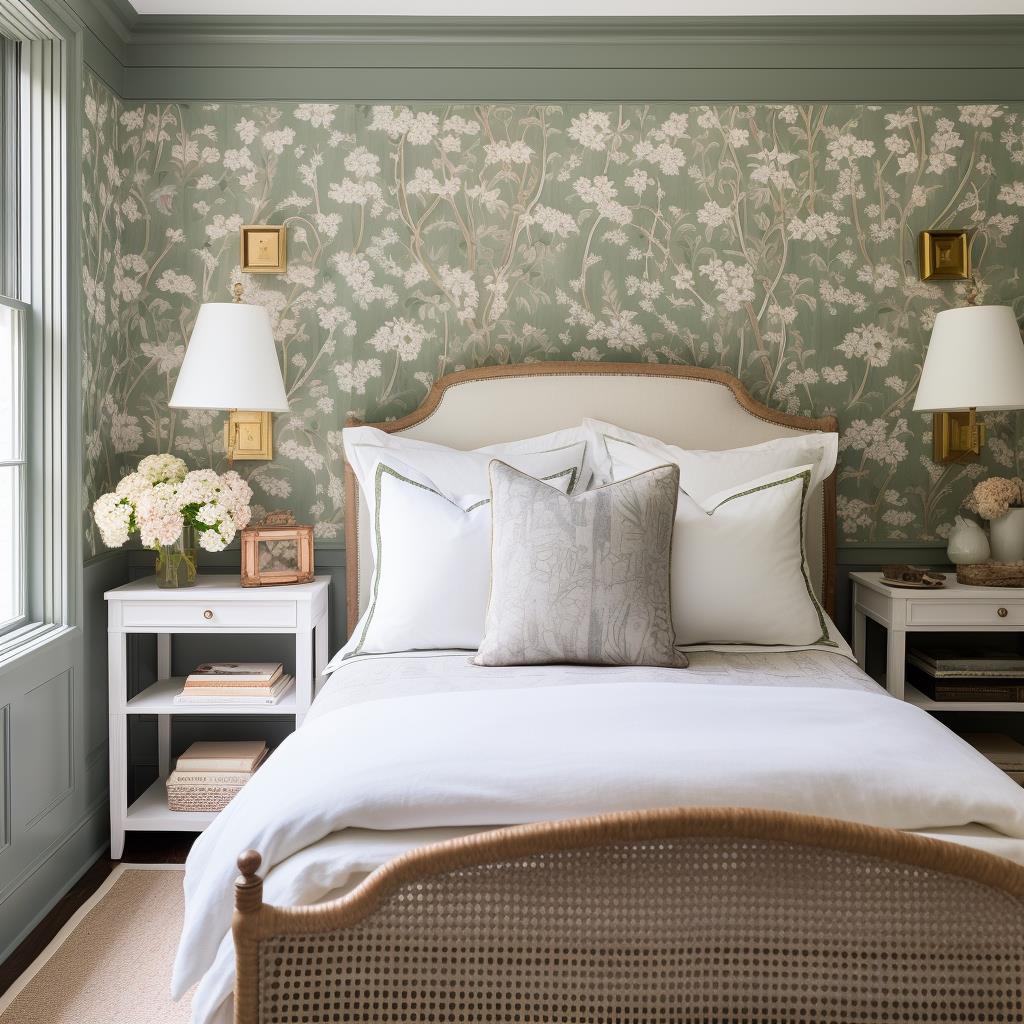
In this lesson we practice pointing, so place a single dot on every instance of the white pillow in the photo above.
(616, 453)
(432, 560)
(739, 572)
(461, 474)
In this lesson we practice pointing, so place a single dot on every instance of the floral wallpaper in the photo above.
(777, 242)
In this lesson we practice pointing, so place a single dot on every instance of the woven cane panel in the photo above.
(688, 931)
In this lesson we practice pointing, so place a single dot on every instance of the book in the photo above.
(226, 756)
(967, 663)
(235, 694)
(234, 673)
(210, 779)
(1002, 750)
(1007, 691)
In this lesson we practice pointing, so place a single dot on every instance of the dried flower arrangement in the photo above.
(994, 497)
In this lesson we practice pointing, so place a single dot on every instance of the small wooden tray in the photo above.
(913, 586)
(991, 574)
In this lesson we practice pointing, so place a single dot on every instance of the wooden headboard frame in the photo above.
(743, 398)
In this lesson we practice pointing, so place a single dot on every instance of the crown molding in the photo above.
(890, 32)
(706, 59)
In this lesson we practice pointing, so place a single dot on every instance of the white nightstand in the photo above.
(953, 609)
(216, 604)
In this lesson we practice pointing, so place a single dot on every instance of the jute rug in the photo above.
(111, 963)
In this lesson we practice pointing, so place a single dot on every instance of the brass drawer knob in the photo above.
(208, 614)
(1002, 613)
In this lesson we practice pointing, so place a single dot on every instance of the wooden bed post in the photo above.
(245, 927)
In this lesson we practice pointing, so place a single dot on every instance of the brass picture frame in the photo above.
(945, 255)
(263, 248)
(276, 551)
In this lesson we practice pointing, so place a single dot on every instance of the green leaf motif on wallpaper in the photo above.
(775, 242)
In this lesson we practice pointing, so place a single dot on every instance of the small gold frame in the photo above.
(263, 248)
(945, 255)
(277, 551)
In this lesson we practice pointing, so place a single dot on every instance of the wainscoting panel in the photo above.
(5, 778)
(43, 747)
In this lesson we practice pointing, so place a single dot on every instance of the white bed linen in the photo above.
(397, 746)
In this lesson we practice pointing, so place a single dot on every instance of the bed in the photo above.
(755, 745)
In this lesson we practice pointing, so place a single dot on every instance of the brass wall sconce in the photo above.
(231, 363)
(957, 436)
(974, 363)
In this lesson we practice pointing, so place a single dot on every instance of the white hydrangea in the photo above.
(161, 497)
(113, 515)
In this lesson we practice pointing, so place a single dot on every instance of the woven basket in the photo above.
(991, 574)
(199, 798)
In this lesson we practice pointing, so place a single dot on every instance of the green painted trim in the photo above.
(104, 38)
(369, 59)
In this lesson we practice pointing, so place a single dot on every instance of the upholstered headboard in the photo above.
(682, 405)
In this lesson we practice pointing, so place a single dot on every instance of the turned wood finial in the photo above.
(249, 886)
(249, 863)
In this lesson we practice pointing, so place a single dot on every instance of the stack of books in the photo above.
(235, 682)
(208, 775)
(1003, 751)
(978, 674)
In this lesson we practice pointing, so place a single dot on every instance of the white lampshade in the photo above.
(975, 359)
(231, 362)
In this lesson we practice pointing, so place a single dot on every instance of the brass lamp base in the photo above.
(249, 436)
(957, 436)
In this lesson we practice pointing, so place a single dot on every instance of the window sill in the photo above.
(31, 639)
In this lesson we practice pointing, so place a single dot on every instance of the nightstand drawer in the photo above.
(170, 615)
(983, 614)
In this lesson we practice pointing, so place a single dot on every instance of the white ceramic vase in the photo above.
(968, 544)
(1008, 536)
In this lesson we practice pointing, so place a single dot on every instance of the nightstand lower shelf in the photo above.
(158, 699)
(920, 700)
(150, 814)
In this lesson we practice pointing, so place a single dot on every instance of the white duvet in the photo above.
(407, 750)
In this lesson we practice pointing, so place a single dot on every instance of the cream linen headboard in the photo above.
(682, 405)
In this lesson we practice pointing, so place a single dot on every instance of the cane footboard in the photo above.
(696, 916)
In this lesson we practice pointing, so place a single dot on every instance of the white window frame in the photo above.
(47, 300)
(10, 298)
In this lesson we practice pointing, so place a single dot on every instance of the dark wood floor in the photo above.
(140, 848)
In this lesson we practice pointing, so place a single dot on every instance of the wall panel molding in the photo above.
(435, 59)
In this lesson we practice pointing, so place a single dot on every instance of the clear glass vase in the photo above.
(176, 563)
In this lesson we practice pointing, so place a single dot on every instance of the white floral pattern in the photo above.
(777, 242)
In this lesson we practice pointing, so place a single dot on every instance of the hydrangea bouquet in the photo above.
(169, 507)
(994, 497)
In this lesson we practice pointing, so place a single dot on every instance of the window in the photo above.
(40, 549)
(13, 365)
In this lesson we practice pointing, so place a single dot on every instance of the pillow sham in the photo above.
(463, 474)
(582, 578)
(739, 571)
(432, 567)
(615, 452)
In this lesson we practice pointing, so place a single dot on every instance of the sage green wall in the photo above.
(777, 242)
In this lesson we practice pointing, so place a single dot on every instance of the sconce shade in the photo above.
(231, 361)
(975, 359)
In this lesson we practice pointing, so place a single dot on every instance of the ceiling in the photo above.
(587, 8)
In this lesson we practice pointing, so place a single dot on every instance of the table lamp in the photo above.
(974, 363)
(231, 363)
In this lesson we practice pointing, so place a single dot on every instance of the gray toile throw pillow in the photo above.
(581, 579)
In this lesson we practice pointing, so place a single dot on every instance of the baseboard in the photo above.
(57, 869)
